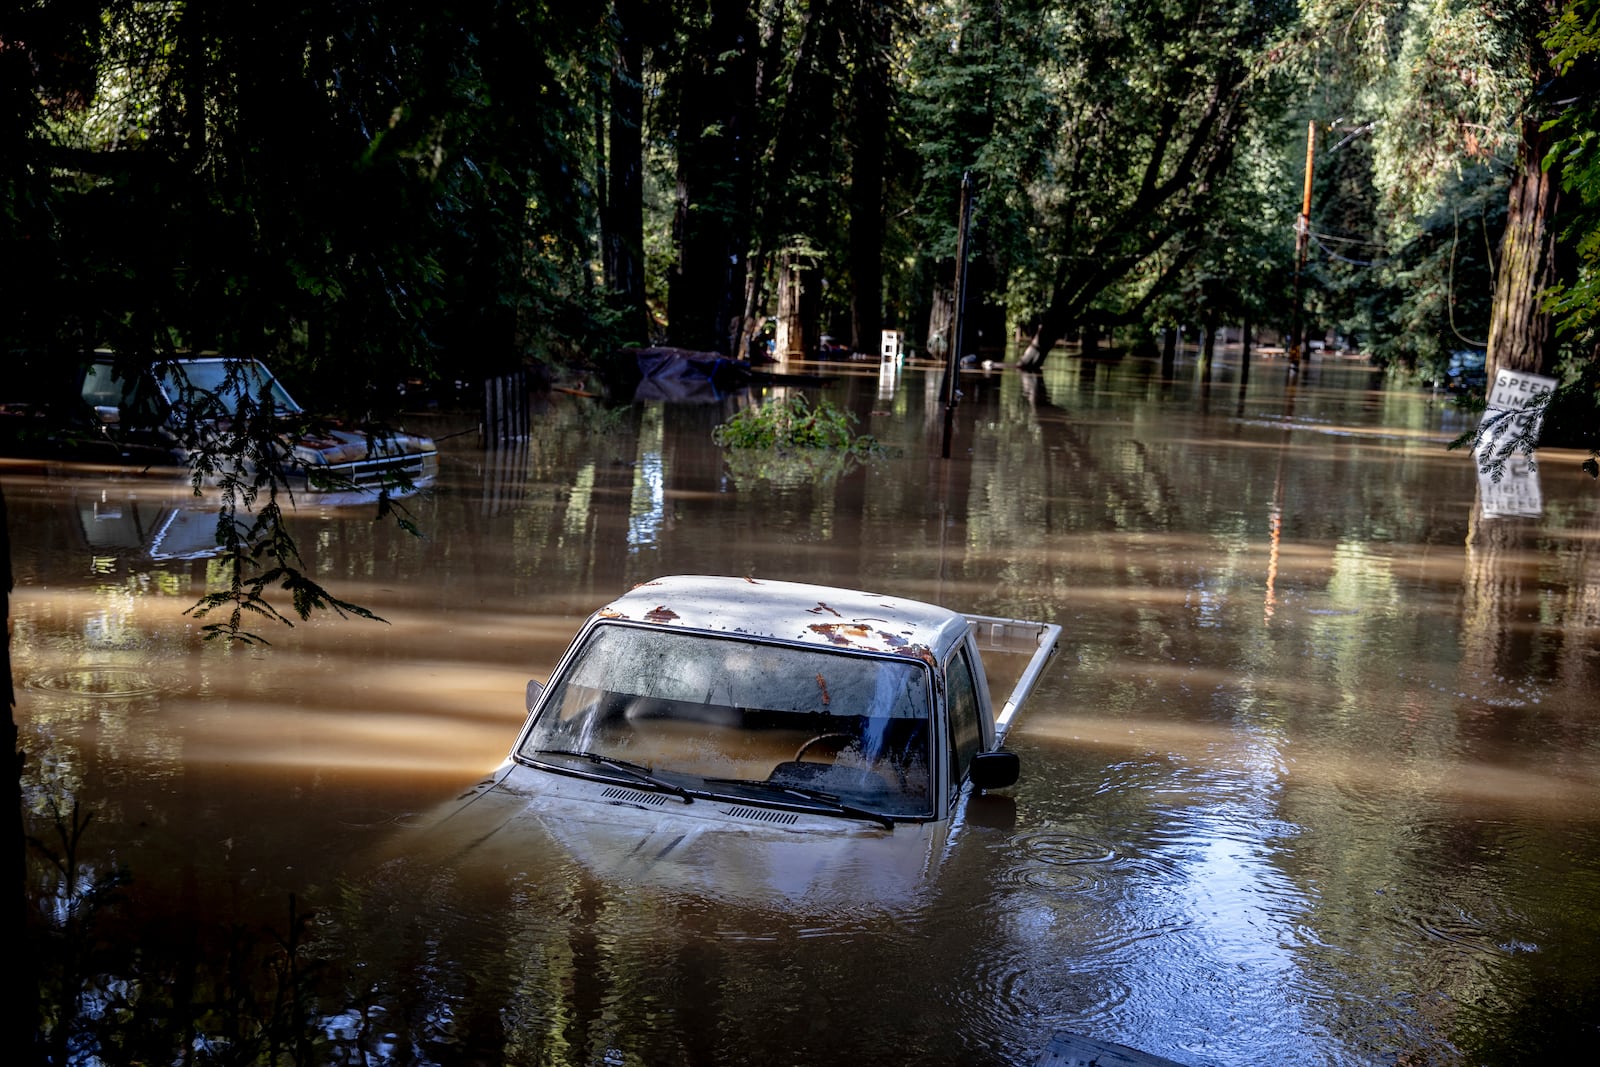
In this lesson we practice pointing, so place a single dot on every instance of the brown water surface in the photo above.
(1314, 779)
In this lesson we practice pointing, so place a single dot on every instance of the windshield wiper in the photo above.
(814, 796)
(634, 770)
(839, 806)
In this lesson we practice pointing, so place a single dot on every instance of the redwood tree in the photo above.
(1522, 334)
(622, 207)
(715, 166)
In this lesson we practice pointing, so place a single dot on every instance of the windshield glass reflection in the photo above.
(732, 712)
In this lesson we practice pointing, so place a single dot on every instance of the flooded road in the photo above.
(1315, 778)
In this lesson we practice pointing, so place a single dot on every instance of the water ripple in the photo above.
(1058, 863)
(1468, 932)
(106, 680)
(1011, 984)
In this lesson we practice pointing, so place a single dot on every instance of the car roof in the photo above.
(820, 615)
(102, 355)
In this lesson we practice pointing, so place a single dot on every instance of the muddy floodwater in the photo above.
(1315, 778)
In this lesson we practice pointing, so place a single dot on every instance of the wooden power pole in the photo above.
(952, 372)
(1302, 245)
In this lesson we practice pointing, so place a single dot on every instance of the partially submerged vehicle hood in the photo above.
(721, 850)
(332, 445)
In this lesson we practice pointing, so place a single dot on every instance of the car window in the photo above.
(214, 383)
(966, 735)
(130, 396)
(853, 725)
(101, 388)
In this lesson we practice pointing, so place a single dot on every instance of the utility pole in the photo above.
(952, 371)
(1302, 244)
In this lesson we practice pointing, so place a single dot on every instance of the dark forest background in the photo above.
(368, 192)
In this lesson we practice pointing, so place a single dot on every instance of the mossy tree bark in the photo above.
(1521, 333)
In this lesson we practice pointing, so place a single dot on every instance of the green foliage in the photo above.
(1441, 81)
(1432, 294)
(1575, 39)
(1103, 139)
(1433, 96)
(789, 443)
(361, 192)
(793, 423)
(355, 191)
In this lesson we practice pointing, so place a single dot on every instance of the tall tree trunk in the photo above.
(759, 280)
(800, 142)
(870, 118)
(623, 215)
(799, 302)
(1045, 335)
(755, 294)
(1208, 347)
(1244, 351)
(22, 1007)
(712, 221)
(1521, 334)
(941, 322)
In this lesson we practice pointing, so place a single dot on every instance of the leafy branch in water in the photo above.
(1501, 434)
(1564, 416)
(239, 440)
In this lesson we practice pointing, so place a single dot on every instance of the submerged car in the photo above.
(1466, 371)
(154, 414)
(769, 741)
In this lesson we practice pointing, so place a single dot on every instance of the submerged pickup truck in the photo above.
(153, 414)
(758, 739)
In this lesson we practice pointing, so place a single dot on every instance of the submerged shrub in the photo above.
(794, 423)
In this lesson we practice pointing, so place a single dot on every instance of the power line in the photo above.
(1331, 254)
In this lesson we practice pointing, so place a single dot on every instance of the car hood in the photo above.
(333, 446)
(722, 850)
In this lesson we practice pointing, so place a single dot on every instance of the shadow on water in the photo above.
(1313, 779)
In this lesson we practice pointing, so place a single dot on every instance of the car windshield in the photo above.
(764, 722)
(225, 380)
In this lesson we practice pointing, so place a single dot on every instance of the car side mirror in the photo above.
(535, 690)
(995, 770)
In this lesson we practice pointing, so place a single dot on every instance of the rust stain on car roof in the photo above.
(860, 635)
(660, 614)
(841, 633)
